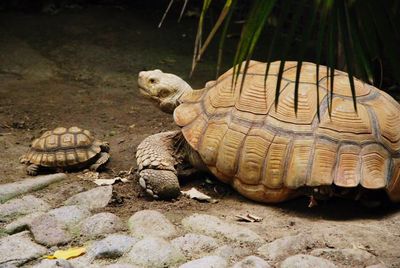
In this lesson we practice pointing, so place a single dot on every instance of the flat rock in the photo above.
(47, 231)
(155, 252)
(69, 215)
(95, 198)
(18, 249)
(252, 262)
(215, 227)
(122, 265)
(10, 190)
(305, 261)
(22, 223)
(348, 256)
(101, 224)
(231, 252)
(206, 262)
(150, 223)
(113, 246)
(22, 206)
(53, 264)
(194, 244)
(285, 246)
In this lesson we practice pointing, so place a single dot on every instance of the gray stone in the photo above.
(206, 262)
(284, 247)
(53, 264)
(22, 223)
(193, 244)
(305, 261)
(7, 265)
(121, 265)
(252, 262)
(10, 190)
(22, 206)
(150, 223)
(155, 252)
(113, 246)
(95, 198)
(347, 256)
(46, 230)
(69, 215)
(231, 252)
(18, 249)
(213, 226)
(101, 224)
(379, 265)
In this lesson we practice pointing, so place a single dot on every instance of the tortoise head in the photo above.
(162, 87)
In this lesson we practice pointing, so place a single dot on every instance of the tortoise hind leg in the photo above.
(156, 158)
(32, 169)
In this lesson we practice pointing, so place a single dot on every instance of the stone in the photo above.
(231, 252)
(22, 223)
(379, 265)
(347, 256)
(206, 262)
(193, 244)
(122, 265)
(22, 206)
(150, 223)
(69, 215)
(113, 246)
(285, 246)
(18, 249)
(11, 190)
(252, 262)
(155, 252)
(53, 264)
(95, 198)
(47, 231)
(305, 261)
(101, 224)
(213, 226)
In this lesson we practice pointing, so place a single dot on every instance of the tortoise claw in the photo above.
(160, 184)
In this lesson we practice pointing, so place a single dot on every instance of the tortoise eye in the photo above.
(163, 93)
(152, 80)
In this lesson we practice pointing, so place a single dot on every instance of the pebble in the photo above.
(22, 206)
(95, 198)
(347, 256)
(252, 262)
(305, 261)
(47, 231)
(22, 223)
(213, 226)
(206, 262)
(101, 224)
(194, 244)
(155, 252)
(69, 215)
(113, 246)
(18, 249)
(150, 223)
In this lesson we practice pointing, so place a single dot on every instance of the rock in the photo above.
(22, 206)
(284, 246)
(69, 215)
(22, 223)
(379, 265)
(95, 198)
(213, 226)
(47, 231)
(252, 262)
(206, 262)
(101, 224)
(348, 256)
(305, 261)
(53, 264)
(150, 223)
(230, 252)
(193, 244)
(113, 246)
(18, 249)
(122, 265)
(10, 190)
(155, 252)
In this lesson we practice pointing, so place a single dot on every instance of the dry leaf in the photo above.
(197, 195)
(102, 182)
(248, 218)
(68, 253)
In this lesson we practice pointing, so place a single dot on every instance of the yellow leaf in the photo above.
(68, 253)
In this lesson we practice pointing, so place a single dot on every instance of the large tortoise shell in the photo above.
(63, 147)
(265, 151)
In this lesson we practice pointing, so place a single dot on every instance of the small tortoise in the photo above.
(271, 154)
(65, 149)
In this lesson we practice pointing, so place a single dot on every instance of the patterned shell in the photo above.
(266, 152)
(63, 147)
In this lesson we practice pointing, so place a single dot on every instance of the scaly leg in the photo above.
(103, 158)
(32, 169)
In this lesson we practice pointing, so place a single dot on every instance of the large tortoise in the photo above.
(271, 154)
(65, 149)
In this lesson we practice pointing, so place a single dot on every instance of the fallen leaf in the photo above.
(197, 195)
(68, 253)
(248, 218)
(102, 182)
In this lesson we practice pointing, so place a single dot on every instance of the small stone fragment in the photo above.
(22, 223)
(113, 246)
(192, 244)
(155, 252)
(305, 261)
(47, 231)
(347, 256)
(22, 206)
(150, 223)
(95, 198)
(252, 262)
(101, 224)
(206, 262)
(69, 215)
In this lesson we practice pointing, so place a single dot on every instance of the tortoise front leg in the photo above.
(32, 169)
(156, 158)
(103, 158)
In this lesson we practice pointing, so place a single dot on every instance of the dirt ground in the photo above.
(79, 67)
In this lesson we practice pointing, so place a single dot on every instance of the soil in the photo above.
(79, 67)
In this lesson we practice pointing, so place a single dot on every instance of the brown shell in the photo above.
(265, 152)
(63, 147)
